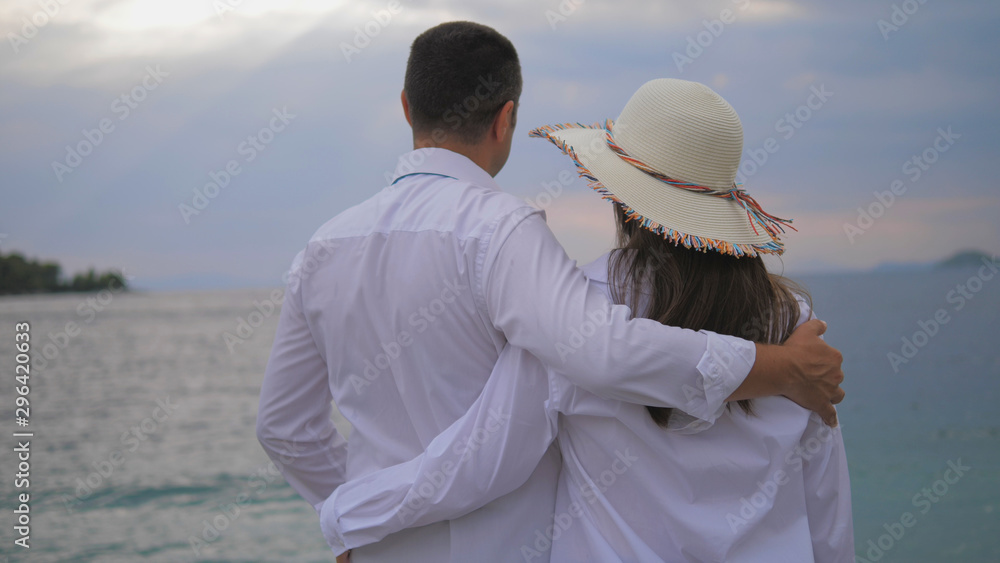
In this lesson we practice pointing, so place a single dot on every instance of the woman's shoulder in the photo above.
(805, 309)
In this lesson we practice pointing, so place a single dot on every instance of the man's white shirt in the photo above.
(398, 309)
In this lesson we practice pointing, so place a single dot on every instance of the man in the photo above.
(398, 308)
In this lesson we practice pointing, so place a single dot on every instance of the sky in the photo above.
(881, 117)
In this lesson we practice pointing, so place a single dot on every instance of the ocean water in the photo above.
(144, 446)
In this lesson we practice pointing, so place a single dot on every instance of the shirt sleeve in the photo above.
(293, 419)
(542, 302)
(828, 494)
(827, 484)
(489, 452)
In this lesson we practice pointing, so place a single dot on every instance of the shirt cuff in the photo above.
(723, 367)
(328, 524)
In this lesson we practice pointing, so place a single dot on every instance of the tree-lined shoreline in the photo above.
(20, 275)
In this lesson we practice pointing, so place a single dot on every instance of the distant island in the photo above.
(961, 259)
(965, 259)
(19, 275)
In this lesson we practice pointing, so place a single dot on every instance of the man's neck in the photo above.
(478, 154)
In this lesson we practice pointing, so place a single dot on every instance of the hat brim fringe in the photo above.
(703, 244)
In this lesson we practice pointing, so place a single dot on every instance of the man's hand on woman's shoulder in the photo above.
(814, 370)
(805, 369)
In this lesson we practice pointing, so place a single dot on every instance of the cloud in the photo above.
(772, 11)
(228, 71)
(83, 35)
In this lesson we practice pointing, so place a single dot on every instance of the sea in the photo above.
(142, 409)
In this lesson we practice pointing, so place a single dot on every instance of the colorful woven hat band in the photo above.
(770, 224)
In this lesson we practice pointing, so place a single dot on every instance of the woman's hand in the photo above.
(344, 557)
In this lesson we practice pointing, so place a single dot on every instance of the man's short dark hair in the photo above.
(458, 76)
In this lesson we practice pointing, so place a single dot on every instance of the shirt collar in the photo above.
(443, 162)
(597, 270)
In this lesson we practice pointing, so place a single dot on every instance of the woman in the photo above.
(764, 481)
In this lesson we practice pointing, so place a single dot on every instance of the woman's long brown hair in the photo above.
(698, 290)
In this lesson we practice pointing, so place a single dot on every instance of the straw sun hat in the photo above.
(670, 159)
